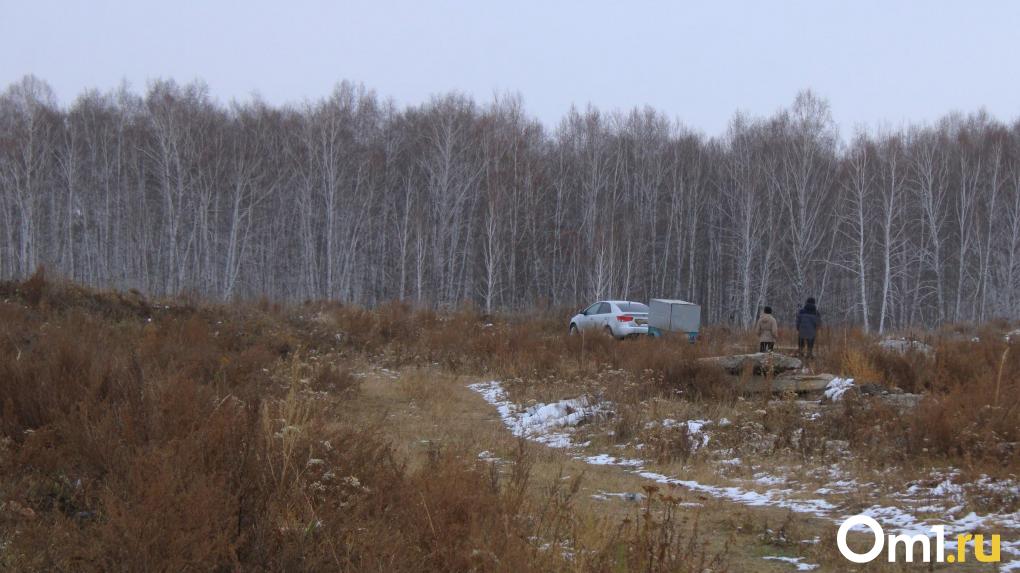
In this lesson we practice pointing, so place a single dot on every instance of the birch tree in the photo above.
(357, 199)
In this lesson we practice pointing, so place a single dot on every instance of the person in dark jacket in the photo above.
(809, 320)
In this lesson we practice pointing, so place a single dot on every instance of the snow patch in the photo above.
(487, 456)
(548, 424)
(837, 387)
(773, 498)
(695, 429)
(947, 489)
(551, 424)
(608, 460)
(902, 345)
(766, 479)
(626, 496)
(797, 561)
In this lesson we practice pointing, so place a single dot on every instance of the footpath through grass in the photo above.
(176, 435)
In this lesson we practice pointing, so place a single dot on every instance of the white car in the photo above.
(616, 318)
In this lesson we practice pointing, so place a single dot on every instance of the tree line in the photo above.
(355, 199)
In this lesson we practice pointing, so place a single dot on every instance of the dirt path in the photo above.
(423, 410)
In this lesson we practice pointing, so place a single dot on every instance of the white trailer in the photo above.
(668, 315)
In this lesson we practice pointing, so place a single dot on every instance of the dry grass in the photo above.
(179, 436)
(172, 435)
(970, 415)
(660, 538)
(204, 439)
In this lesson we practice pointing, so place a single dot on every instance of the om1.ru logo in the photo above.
(910, 543)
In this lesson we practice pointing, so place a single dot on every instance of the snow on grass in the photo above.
(608, 460)
(551, 424)
(695, 429)
(947, 488)
(903, 346)
(543, 417)
(548, 424)
(487, 456)
(626, 496)
(1004, 487)
(905, 522)
(544, 423)
(796, 561)
(767, 479)
(837, 387)
(771, 498)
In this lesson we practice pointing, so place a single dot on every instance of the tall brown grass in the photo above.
(187, 439)
(969, 413)
(174, 435)
(660, 538)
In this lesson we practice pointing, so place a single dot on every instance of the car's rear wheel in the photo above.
(609, 332)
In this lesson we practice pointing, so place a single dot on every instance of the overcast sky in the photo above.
(878, 63)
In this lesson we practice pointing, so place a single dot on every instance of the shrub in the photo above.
(657, 539)
(189, 443)
(34, 288)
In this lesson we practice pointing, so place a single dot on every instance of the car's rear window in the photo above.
(632, 307)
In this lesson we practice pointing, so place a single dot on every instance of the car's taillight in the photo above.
(624, 318)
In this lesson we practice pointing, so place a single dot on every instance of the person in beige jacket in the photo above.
(768, 330)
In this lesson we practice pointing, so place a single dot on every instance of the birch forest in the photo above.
(454, 201)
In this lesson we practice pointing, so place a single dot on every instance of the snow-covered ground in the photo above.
(553, 425)
(547, 424)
